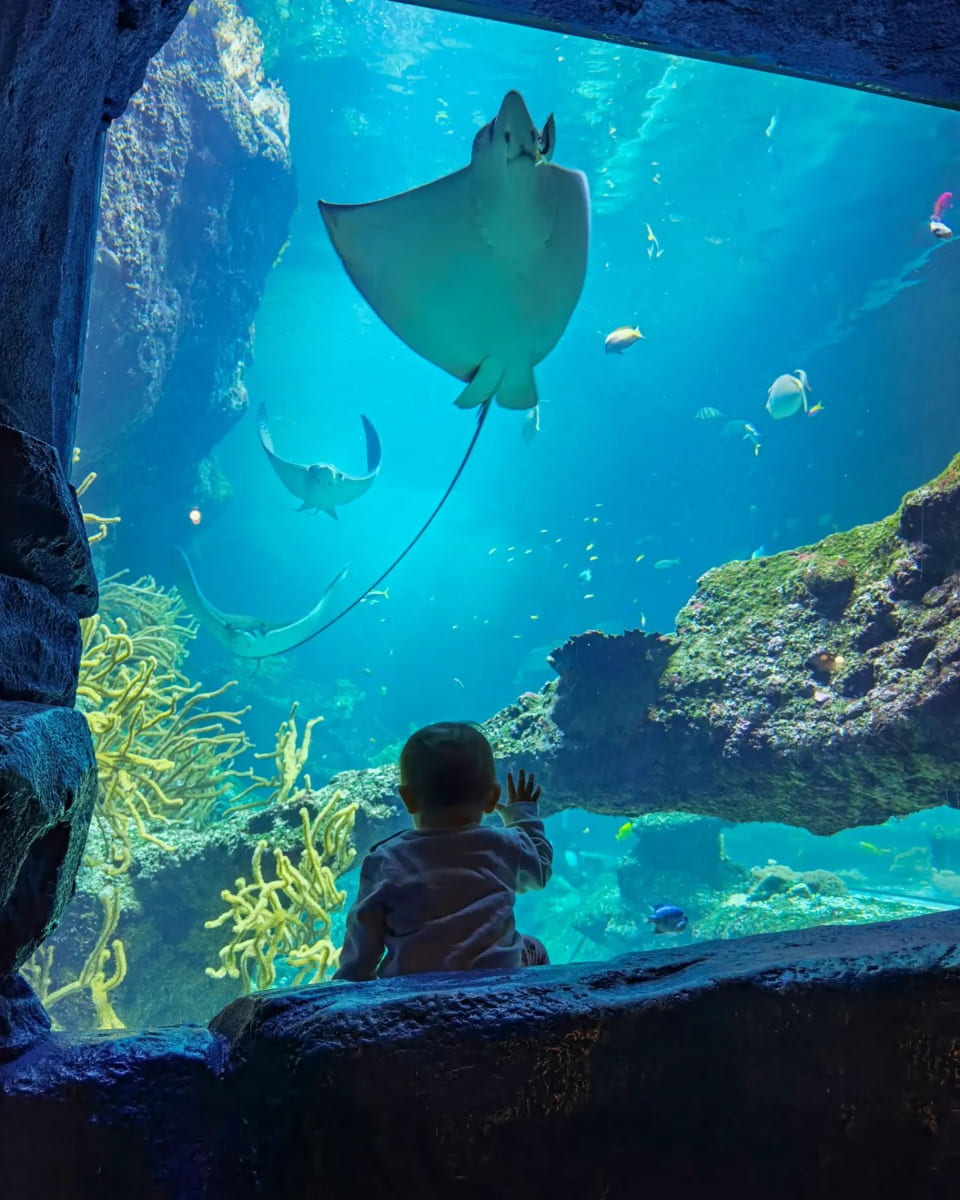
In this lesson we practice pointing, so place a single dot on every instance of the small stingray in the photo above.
(480, 271)
(248, 637)
(320, 486)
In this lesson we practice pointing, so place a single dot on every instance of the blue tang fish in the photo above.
(667, 918)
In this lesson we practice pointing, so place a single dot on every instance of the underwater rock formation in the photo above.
(169, 897)
(811, 1063)
(197, 194)
(50, 154)
(818, 687)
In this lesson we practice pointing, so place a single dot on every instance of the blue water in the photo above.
(792, 219)
(804, 244)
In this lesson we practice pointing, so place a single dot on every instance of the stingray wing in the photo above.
(214, 619)
(427, 264)
(287, 637)
(291, 475)
(374, 451)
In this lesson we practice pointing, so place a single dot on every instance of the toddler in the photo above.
(440, 896)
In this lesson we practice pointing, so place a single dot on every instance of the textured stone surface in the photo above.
(817, 1063)
(42, 539)
(23, 1021)
(901, 49)
(39, 644)
(197, 196)
(131, 1116)
(47, 789)
(66, 69)
(819, 687)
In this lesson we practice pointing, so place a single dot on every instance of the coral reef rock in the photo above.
(818, 687)
(831, 1051)
(48, 785)
(197, 195)
(171, 894)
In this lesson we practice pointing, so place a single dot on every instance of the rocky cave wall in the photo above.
(906, 50)
(50, 156)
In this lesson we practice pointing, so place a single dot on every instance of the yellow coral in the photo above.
(290, 756)
(89, 518)
(289, 917)
(162, 755)
(93, 976)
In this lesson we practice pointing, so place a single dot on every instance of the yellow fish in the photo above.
(624, 831)
(870, 848)
(621, 339)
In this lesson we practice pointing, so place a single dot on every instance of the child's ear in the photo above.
(410, 802)
(491, 803)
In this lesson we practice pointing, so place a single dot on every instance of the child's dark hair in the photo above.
(448, 763)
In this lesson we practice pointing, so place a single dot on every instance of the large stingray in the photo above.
(250, 637)
(321, 486)
(479, 271)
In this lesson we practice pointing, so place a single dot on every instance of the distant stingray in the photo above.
(320, 486)
(250, 637)
(480, 271)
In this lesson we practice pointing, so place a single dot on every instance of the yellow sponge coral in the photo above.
(289, 917)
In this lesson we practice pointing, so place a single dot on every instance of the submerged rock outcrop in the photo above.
(198, 191)
(819, 687)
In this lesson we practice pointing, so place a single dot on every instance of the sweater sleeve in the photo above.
(363, 943)
(536, 852)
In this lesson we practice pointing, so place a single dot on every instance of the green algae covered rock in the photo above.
(819, 687)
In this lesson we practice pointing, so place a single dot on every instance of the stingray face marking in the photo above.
(511, 136)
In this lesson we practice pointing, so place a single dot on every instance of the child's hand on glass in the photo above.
(523, 791)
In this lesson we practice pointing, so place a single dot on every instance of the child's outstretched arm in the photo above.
(363, 943)
(522, 814)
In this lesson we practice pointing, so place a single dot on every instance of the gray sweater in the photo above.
(442, 899)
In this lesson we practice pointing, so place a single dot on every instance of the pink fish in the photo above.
(941, 204)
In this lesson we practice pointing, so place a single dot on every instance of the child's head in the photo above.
(447, 776)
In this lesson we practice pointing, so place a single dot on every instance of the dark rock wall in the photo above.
(197, 195)
(66, 71)
(900, 49)
(820, 1063)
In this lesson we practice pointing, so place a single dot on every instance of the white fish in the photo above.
(480, 271)
(787, 395)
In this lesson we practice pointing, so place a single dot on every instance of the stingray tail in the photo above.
(481, 417)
